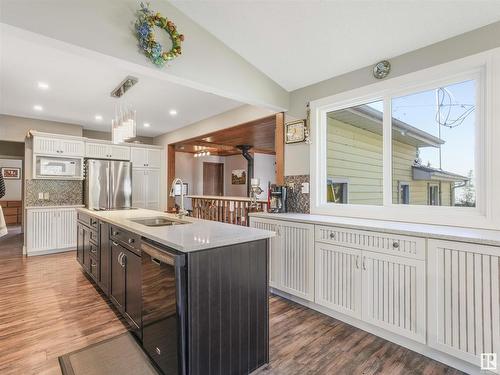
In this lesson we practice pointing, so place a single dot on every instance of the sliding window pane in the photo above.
(433, 146)
(354, 152)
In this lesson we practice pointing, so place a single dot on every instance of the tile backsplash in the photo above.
(58, 192)
(297, 201)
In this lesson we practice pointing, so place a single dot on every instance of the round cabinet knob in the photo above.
(131, 240)
(332, 235)
(395, 244)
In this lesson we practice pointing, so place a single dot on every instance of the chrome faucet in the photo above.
(182, 211)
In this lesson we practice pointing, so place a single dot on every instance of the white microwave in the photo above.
(60, 168)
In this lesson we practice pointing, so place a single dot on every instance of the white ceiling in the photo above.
(297, 43)
(80, 88)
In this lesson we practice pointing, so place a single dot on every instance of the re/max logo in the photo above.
(488, 361)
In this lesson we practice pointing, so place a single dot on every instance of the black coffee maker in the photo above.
(277, 199)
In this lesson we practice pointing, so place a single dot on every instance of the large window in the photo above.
(404, 142)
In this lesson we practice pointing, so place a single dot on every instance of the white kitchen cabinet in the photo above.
(50, 230)
(393, 290)
(292, 257)
(146, 188)
(57, 146)
(98, 150)
(274, 249)
(145, 157)
(338, 278)
(464, 299)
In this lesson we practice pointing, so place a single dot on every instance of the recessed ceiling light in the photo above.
(43, 85)
(38, 107)
(147, 124)
(172, 112)
(98, 117)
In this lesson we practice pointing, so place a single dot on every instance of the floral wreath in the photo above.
(144, 24)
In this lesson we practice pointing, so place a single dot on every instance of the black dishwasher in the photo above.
(164, 315)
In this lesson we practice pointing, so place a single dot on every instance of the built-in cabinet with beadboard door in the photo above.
(292, 257)
(47, 145)
(274, 249)
(98, 150)
(464, 299)
(146, 188)
(145, 157)
(50, 230)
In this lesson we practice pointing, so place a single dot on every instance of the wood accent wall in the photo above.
(279, 147)
(170, 175)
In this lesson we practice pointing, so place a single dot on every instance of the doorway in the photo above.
(213, 178)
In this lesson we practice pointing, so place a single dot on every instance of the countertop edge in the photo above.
(476, 236)
(55, 206)
(193, 248)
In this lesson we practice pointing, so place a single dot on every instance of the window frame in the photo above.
(485, 69)
(430, 186)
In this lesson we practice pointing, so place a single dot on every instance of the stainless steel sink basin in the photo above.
(158, 221)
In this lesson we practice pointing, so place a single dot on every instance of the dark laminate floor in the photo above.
(48, 308)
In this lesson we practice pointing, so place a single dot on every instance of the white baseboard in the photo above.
(389, 336)
(48, 252)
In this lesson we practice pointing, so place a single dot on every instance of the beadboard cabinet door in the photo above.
(338, 278)
(274, 249)
(464, 299)
(146, 188)
(296, 241)
(394, 295)
(50, 229)
(57, 146)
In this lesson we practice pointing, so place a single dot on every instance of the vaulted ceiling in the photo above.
(297, 43)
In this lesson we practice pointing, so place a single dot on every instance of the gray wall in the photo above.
(479, 40)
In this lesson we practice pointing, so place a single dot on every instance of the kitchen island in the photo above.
(195, 292)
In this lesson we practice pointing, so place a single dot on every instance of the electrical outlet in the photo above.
(291, 185)
(40, 195)
(46, 196)
(305, 188)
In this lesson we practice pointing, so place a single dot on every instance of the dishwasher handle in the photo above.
(158, 253)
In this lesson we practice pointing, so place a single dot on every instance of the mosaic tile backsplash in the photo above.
(297, 201)
(60, 192)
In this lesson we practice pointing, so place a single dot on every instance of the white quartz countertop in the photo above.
(198, 235)
(51, 207)
(441, 232)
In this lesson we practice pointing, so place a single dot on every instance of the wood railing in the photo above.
(233, 210)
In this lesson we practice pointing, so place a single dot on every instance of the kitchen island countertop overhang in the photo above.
(195, 235)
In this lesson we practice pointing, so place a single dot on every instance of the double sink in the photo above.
(158, 221)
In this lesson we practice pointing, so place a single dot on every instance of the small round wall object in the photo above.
(381, 69)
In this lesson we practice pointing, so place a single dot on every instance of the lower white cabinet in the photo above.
(291, 256)
(338, 278)
(464, 299)
(393, 290)
(146, 188)
(50, 229)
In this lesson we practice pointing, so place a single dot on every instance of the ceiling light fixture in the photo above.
(147, 124)
(124, 124)
(98, 117)
(172, 112)
(43, 85)
(38, 107)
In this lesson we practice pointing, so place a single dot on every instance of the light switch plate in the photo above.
(40, 195)
(305, 188)
(46, 196)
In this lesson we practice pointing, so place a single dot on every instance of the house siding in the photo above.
(355, 155)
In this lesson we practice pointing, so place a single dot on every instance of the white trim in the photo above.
(482, 67)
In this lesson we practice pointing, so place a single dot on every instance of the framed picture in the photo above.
(238, 177)
(295, 131)
(9, 173)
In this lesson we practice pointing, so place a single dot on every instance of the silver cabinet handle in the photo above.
(332, 235)
(131, 240)
(357, 262)
(364, 263)
(124, 261)
(119, 258)
(114, 243)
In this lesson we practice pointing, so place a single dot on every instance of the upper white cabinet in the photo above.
(146, 188)
(50, 230)
(145, 157)
(464, 299)
(58, 146)
(98, 150)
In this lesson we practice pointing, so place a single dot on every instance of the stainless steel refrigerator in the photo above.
(108, 184)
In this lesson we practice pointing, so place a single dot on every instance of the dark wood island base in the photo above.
(221, 322)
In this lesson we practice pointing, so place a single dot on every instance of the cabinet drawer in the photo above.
(125, 238)
(87, 220)
(393, 244)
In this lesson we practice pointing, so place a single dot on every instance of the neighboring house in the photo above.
(355, 162)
